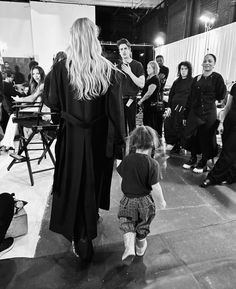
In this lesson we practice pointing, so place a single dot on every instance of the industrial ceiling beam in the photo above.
(134, 4)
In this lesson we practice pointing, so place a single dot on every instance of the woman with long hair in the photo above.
(174, 113)
(150, 94)
(36, 90)
(200, 113)
(85, 89)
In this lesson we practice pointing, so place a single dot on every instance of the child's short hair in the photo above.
(143, 137)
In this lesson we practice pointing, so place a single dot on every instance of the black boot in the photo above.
(83, 249)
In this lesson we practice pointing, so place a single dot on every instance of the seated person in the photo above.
(36, 86)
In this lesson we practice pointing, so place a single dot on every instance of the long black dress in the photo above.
(178, 96)
(200, 112)
(85, 150)
(225, 167)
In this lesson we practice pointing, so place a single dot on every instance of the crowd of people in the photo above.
(97, 103)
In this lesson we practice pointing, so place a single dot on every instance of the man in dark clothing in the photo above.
(164, 71)
(8, 92)
(163, 74)
(132, 80)
(19, 77)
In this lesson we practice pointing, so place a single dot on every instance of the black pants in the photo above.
(130, 115)
(225, 167)
(6, 213)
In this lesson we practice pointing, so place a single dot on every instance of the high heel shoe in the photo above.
(206, 183)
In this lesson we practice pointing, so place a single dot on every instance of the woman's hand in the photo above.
(17, 98)
(167, 112)
(140, 102)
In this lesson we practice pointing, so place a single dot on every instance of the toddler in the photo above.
(140, 174)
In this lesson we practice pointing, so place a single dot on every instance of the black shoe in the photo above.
(189, 164)
(83, 249)
(175, 150)
(6, 245)
(201, 166)
(207, 183)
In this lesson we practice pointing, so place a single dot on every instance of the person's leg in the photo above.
(125, 116)
(8, 139)
(131, 115)
(127, 215)
(146, 210)
(159, 123)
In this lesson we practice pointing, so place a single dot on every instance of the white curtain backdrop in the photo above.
(220, 41)
(38, 29)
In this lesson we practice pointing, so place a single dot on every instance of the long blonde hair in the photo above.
(89, 72)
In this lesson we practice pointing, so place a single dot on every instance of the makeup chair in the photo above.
(35, 123)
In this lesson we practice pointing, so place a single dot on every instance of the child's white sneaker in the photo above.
(141, 246)
(129, 253)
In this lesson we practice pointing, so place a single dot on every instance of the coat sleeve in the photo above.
(51, 91)
(189, 99)
(220, 88)
(171, 94)
(115, 113)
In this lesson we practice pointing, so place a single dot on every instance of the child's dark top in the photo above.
(139, 172)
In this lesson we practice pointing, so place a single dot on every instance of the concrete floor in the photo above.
(191, 245)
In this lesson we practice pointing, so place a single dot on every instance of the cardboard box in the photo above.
(19, 225)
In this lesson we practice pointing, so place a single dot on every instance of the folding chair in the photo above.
(37, 125)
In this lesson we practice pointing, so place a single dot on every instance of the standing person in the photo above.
(132, 81)
(163, 75)
(174, 113)
(140, 175)
(225, 167)
(7, 102)
(150, 94)
(85, 88)
(200, 113)
(36, 88)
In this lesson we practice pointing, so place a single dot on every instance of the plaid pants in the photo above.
(136, 215)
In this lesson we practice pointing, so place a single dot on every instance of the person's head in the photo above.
(6, 64)
(209, 62)
(32, 64)
(143, 138)
(89, 72)
(17, 68)
(185, 69)
(37, 77)
(59, 56)
(9, 76)
(124, 49)
(152, 68)
(160, 60)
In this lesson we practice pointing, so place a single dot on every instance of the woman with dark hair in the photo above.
(174, 114)
(200, 113)
(85, 89)
(224, 169)
(150, 94)
(36, 90)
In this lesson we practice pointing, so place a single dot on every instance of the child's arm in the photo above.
(157, 192)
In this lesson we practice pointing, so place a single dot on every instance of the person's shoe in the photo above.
(3, 148)
(141, 246)
(129, 253)
(201, 167)
(175, 150)
(6, 245)
(190, 163)
(83, 249)
(207, 183)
